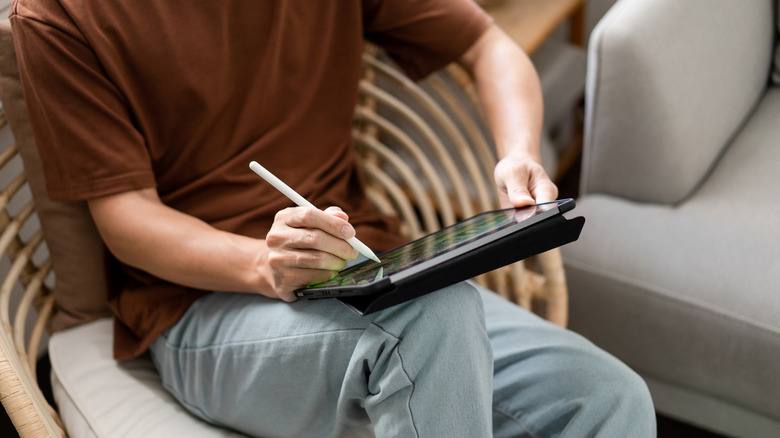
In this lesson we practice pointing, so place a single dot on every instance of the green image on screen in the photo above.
(426, 248)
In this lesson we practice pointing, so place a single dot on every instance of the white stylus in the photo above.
(302, 202)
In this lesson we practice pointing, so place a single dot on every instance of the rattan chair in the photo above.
(424, 154)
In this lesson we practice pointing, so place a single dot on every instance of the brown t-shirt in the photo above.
(181, 95)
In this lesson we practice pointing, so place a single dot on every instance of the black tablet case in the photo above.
(538, 238)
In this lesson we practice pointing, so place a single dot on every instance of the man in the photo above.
(151, 111)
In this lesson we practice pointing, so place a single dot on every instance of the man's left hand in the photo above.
(521, 181)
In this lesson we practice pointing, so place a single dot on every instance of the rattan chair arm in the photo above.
(19, 395)
(19, 392)
(23, 309)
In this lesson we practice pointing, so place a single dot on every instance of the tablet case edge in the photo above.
(522, 244)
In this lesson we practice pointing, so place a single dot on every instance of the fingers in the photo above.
(287, 281)
(332, 221)
(307, 246)
(338, 212)
(545, 190)
(523, 181)
(512, 182)
(310, 229)
(517, 189)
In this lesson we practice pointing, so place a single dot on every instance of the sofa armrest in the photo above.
(669, 84)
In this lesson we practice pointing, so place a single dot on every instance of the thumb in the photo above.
(517, 191)
(513, 180)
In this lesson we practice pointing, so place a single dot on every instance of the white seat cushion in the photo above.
(100, 397)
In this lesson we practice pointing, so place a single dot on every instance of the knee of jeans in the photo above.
(450, 313)
(459, 305)
(633, 391)
(622, 392)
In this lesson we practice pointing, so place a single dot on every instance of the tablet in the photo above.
(470, 247)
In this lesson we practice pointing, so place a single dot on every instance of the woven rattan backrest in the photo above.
(23, 295)
(427, 156)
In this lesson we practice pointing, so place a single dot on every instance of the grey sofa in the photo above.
(677, 271)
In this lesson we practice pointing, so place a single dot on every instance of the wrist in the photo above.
(260, 277)
(252, 273)
(525, 146)
(522, 153)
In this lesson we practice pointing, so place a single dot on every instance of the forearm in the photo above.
(509, 90)
(144, 233)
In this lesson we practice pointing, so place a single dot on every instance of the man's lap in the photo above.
(308, 347)
(300, 354)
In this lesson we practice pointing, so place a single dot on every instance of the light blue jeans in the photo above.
(459, 362)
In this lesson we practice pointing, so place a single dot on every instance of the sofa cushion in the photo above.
(669, 82)
(77, 252)
(100, 397)
(688, 294)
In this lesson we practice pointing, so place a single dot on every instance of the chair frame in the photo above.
(20, 394)
(428, 182)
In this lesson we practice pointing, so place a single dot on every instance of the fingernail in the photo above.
(347, 231)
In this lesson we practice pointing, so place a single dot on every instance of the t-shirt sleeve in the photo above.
(423, 36)
(84, 131)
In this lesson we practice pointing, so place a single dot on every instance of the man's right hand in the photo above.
(306, 246)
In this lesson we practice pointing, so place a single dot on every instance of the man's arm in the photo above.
(304, 246)
(511, 95)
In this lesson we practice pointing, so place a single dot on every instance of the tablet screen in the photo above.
(451, 240)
